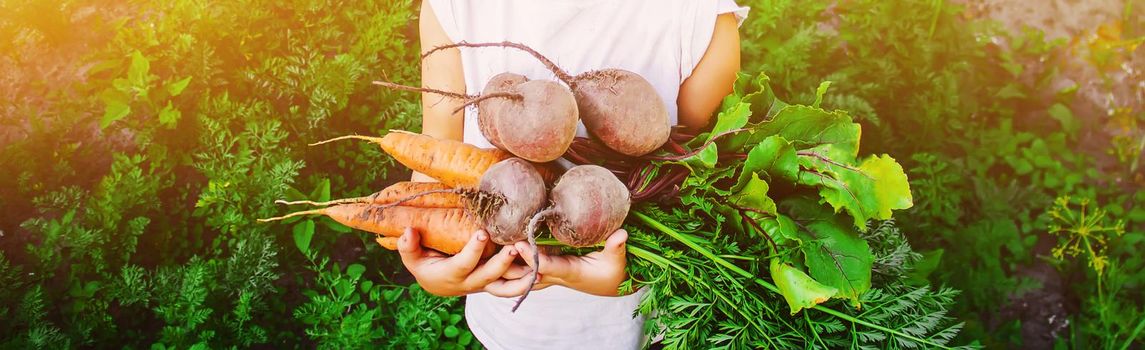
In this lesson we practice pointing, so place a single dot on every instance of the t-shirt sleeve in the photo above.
(697, 33)
(730, 6)
(447, 16)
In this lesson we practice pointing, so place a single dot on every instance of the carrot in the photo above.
(390, 243)
(454, 163)
(441, 229)
(435, 196)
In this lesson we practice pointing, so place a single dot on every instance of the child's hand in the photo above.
(598, 273)
(462, 274)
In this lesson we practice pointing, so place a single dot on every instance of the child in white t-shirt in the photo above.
(687, 49)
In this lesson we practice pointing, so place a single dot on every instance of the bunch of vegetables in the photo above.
(479, 189)
(778, 235)
(774, 203)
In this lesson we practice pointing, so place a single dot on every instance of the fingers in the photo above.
(516, 271)
(614, 245)
(527, 254)
(557, 267)
(409, 247)
(509, 288)
(493, 268)
(467, 259)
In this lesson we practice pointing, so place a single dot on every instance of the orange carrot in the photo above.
(454, 163)
(390, 243)
(444, 230)
(404, 192)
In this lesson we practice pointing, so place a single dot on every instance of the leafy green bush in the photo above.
(141, 174)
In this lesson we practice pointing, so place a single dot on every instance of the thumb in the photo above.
(615, 244)
(470, 254)
(409, 247)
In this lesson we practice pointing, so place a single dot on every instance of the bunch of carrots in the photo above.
(428, 207)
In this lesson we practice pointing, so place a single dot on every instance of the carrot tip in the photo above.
(358, 137)
(297, 213)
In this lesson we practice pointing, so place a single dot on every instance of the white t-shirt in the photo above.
(662, 40)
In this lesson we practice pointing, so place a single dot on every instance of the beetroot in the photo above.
(532, 119)
(620, 108)
(510, 192)
(588, 204)
(489, 108)
(538, 127)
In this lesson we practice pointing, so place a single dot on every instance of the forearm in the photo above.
(440, 116)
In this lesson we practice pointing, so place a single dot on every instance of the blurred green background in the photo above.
(140, 140)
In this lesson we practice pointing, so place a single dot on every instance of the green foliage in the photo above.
(141, 166)
(1085, 233)
(704, 275)
(990, 141)
(348, 311)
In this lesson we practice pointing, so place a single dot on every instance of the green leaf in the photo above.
(891, 185)
(731, 100)
(781, 229)
(819, 92)
(1011, 90)
(1021, 166)
(113, 112)
(169, 116)
(870, 191)
(753, 195)
(139, 70)
(920, 273)
(735, 117)
(834, 253)
(808, 127)
(773, 156)
(705, 158)
(303, 232)
(761, 97)
(321, 193)
(344, 288)
(434, 320)
(451, 331)
(355, 270)
(176, 88)
(293, 194)
(731, 119)
(334, 225)
(1064, 115)
(798, 289)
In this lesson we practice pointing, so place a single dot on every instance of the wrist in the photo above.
(441, 289)
(442, 292)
